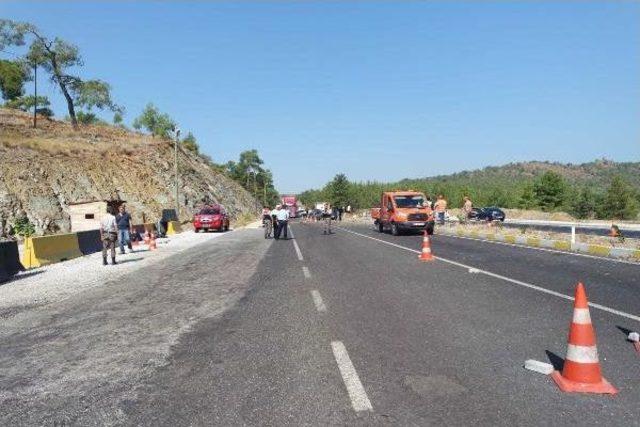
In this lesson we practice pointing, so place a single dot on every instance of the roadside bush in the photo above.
(23, 227)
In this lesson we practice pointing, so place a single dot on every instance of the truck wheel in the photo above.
(380, 227)
(394, 229)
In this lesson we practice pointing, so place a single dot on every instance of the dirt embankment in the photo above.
(43, 170)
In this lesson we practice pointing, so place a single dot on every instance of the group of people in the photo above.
(115, 227)
(439, 208)
(279, 217)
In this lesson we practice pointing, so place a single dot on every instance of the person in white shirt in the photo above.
(109, 235)
(282, 217)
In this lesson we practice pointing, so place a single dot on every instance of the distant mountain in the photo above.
(596, 174)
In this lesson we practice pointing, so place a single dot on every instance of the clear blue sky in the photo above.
(379, 91)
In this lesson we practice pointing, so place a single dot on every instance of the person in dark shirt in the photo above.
(123, 219)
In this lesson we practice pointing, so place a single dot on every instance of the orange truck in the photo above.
(402, 211)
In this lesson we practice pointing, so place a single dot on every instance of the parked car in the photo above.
(211, 218)
(491, 213)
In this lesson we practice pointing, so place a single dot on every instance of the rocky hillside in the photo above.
(43, 170)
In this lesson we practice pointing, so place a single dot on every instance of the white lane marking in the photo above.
(495, 242)
(508, 279)
(306, 272)
(359, 399)
(317, 300)
(295, 244)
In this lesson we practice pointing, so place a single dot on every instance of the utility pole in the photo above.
(35, 93)
(176, 170)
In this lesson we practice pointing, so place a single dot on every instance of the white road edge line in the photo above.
(295, 244)
(307, 273)
(317, 300)
(508, 279)
(495, 242)
(359, 399)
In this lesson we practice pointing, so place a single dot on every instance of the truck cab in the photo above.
(402, 211)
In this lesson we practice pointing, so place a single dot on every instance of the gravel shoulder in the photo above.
(78, 359)
(40, 286)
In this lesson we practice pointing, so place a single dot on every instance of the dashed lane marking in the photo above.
(307, 273)
(295, 245)
(358, 396)
(507, 279)
(317, 300)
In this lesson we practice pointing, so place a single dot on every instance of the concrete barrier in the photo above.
(89, 241)
(605, 251)
(9, 260)
(173, 227)
(39, 251)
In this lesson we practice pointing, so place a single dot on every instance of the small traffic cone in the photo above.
(581, 372)
(152, 243)
(426, 254)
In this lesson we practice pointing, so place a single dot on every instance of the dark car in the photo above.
(487, 214)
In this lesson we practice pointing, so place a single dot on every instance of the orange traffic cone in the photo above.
(426, 254)
(152, 243)
(581, 372)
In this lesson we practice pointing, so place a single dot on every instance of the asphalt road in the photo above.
(341, 329)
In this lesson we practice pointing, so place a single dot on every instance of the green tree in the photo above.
(338, 190)
(249, 172)
(190, 143)
(57, 57)
(13, 75)
(527, 198)
(619, 201)
(549, 191)
(157, 123)
(26, 103)
(118, 120)
(92, 94)
(585, 204)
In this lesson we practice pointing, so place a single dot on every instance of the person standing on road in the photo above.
(125, 229)
(282, 215)
(466, 207)
(327, 217)
(109, 235)
(440, 207)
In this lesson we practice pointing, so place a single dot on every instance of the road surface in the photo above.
(341, 329)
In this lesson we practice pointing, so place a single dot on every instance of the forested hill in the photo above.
(602, 188)
(597, 173)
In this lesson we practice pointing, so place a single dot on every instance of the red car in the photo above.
(211, 218)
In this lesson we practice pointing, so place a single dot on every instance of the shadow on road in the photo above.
(22, 276)
(555, 360)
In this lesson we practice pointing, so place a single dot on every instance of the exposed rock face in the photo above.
(43, 170)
